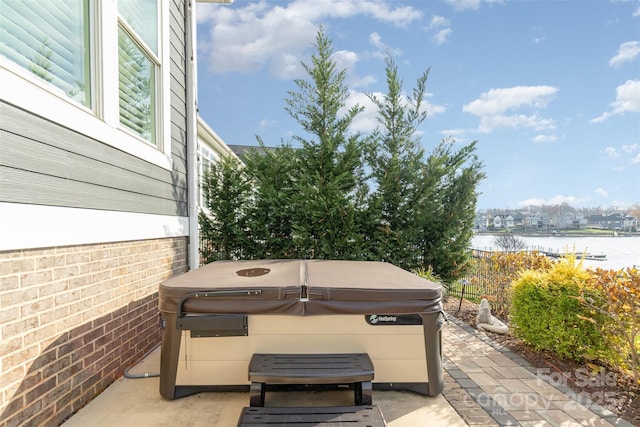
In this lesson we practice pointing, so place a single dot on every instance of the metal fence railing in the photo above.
(480, 281)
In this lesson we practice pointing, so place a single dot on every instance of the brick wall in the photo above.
(72, 319)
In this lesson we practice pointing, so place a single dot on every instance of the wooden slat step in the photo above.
(347, 368)
(352, 416)
(310, 368)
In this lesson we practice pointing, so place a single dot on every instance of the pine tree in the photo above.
(272, 215)
(396, 161)
(330, 178)
(314, 201)
(223, 229)
(447, 213)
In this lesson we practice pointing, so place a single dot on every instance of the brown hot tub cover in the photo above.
(300, 287)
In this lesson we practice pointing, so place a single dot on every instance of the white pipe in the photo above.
(192, 136)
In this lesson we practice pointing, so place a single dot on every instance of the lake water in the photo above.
(621, 252)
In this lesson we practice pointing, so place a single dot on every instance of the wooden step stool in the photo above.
(350, 368)
(356, 416)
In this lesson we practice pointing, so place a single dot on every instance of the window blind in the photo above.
(51, 40)
(137, 88)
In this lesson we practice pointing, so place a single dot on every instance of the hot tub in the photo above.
(218, 316)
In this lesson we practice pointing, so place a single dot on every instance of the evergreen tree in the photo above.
(447, 213)
(272, 215)
(329, 179)
(223, 229)
(396, 161)
(314, 201)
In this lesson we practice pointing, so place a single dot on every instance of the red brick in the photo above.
(93, 335)
(49, 356)
(43, 388)
(14, 406)
(42, 418)
(69, 371)
(82, 352)
(70, 346)
(54, 368)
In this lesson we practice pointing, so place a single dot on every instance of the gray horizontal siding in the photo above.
(20, 186)
(177, 87)
(47, 164)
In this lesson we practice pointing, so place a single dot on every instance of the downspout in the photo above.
(192, 136)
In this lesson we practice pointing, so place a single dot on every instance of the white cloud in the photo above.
(347, 60)
(344, 59)
(461, 5)
(464, 4)
(367, 121)
(601, 192)
(440, 28)
(457, 134)
(611, 152)
(636, 12)
(382, 48)
(497, 101)
(361, 81)
(441, 36)
(438, 22)
(627, 52)
(630, 148)
(399, 16)
(492, 106)
(627, 100)
(555, 200)
(636, 159)
(545, 138)
(261, 36)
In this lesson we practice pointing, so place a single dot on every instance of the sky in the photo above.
(549, 89)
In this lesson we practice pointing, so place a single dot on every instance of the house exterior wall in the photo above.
(74, 318)
(87, 233)
(43, 163)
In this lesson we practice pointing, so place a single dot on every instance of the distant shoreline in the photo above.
(558, 234)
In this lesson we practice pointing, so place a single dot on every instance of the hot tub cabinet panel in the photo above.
(218, 316)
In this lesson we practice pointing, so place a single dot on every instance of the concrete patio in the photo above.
(485, 385)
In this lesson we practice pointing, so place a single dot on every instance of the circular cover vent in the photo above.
(252, 272)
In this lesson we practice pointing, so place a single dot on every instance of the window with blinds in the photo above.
(138, 65)
(51, 40)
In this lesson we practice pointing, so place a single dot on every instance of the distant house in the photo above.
(578, 222)
(509, 221)
(497, 222)
(482, 221)
(613, 221)
(630, 223)
(99, 200)
(537, 220)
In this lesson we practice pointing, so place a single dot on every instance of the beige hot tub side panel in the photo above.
(397, 352)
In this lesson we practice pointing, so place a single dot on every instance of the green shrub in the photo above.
(493, 275)
(546, 311)
(619, 307)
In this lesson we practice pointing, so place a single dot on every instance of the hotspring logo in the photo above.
(374, 318)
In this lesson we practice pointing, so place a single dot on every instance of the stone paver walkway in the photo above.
(488, 385)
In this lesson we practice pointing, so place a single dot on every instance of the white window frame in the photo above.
(208, 153)
(24, 90)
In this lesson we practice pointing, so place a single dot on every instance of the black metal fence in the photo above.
(480, 282)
